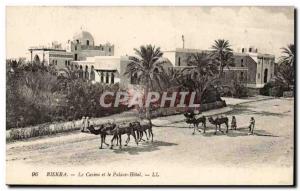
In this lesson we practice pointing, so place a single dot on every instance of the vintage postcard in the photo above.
(150, 95)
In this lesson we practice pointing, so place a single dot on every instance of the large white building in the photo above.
(251, 67)
(80, 47)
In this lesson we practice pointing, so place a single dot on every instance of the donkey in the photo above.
(218, 122)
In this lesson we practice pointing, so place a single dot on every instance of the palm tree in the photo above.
(202, 72)
(289, 55)
(223, 54)
(147, 66)
(285, 73)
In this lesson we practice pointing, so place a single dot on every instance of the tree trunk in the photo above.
(147, 109)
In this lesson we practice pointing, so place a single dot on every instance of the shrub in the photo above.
(240, 90)
(266, 89)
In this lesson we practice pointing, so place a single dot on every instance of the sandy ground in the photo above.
(176, 155)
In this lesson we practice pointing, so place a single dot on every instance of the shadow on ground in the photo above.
(143, 147)
(242, 131)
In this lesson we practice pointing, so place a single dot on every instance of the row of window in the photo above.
(112, 78)
(250, 50)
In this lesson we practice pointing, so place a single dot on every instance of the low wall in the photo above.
(41, 130)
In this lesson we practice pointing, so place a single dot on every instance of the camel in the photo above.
(139, 130)
(143, 127)
(196, 121)
(105, 129)
(136, 128)
(218, 122)
(122, 129)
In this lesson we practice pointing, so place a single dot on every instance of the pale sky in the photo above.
(267, 28)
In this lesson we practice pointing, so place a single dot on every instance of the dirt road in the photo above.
(234, 158)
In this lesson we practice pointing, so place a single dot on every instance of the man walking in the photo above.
(251, 126)
(83, 124)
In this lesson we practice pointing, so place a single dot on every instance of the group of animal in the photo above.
(136, 129)
(218, 121)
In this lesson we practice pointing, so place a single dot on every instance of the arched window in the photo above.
(266, 75)
(178, 61)
(80, 72)
(92, 73)
(36, 59)
(112, 78)
(102, 77)
(242, 76)
(107, 78)
(86, 72)
(87, 42)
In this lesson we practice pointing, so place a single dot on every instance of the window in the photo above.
(75, 57)
(243, 50)
(66, 63)
(258, 75)
(112, 78)
(102, 77)
(266, 75)
(87, 42)
(107, 78)
(86, 73)
(75, 47)
(250, 49)
(77, 41)
(242, 76)
(109, 49)
(92, 73)
(242, 63)
(178, 61)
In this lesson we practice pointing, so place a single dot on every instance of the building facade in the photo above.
(83, 45)
(50, 56)
(104, 69)
(250, 67)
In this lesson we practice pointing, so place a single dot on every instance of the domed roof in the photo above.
(83, 36)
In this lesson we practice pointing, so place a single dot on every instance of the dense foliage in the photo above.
(36, 94)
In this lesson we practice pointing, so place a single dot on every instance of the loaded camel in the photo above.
(196, 123)
(134, 129)
(191, 119)
(218, 122)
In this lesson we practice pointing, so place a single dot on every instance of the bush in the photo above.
(266, 90)
(240, 90)
(36, 95)
(273, 89)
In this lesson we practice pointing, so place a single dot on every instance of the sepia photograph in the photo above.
(150, 95)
